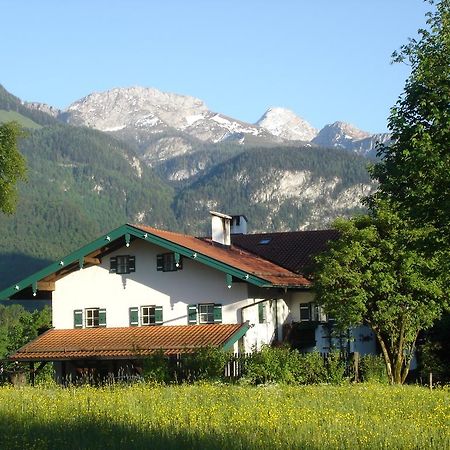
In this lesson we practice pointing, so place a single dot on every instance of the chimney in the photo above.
(220, 228)
(239, 224)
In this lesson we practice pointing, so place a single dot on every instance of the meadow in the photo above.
(218, 416)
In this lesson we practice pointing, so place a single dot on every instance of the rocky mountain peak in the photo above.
(339, 134)
(43, 107)
(286, 124)
(134, 106)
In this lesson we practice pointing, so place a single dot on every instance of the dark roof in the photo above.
(293, 250)
(128, 342)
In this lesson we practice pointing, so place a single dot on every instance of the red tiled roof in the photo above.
(233, 256)
(293, 250)
(130, 342)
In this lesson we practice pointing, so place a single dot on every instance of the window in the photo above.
(122, 264)
(262, 315)
(305, 312)
(204, 313)
(167, 262)
(93, 317)
(146, 315)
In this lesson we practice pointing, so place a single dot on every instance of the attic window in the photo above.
(122, 264)
(265, 241)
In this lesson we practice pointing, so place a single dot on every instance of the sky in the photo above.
(326, 60)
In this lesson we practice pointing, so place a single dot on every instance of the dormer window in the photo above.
(122, 264)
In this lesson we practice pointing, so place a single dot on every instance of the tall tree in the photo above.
(12, 166)
(414, 172)
(373, 275)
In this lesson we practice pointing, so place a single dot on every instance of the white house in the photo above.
(138, 289)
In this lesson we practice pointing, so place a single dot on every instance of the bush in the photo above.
(373, 368)
(283, 365)
(156, 368)
(205, 364)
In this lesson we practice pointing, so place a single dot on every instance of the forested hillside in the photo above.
(80, 183)
(277, 189)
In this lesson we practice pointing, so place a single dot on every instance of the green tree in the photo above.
(375, 275)
(12, 165)
(414, 171)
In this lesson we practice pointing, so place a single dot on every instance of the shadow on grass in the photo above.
(92, 434)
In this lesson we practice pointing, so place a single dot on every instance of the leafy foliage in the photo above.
(283, 365)
(374, 274)
(414, 171)
(19, 326)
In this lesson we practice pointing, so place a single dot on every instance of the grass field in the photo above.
(365, 416)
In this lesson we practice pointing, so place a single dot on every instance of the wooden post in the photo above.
(356, 366)
(32, 374)
(431, 381)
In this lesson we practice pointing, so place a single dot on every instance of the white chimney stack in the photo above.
(239, 224)
(220, 228)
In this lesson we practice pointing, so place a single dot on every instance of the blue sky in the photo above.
(326, 60)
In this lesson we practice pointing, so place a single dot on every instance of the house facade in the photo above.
(138, 290)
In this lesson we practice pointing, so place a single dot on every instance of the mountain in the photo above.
(162, 125)
(287, 125)
(348, 137)
(154, 163)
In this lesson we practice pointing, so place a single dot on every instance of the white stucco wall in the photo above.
(96, 287)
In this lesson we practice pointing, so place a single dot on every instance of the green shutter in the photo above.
(192, 314)
(113, 264)
(261, 307)
(160, 262)
(102, 318)
(217, 313)
(158, 315)
(134, 317)
(78, 318)
(132, 263)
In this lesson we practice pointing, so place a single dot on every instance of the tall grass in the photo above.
(216, 416)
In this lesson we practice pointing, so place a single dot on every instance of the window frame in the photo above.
(167, 262)
(209, 313)
(148, 315)
(122, 264)
(305, 307)
(95, 317)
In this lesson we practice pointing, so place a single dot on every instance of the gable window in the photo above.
(204, 313)
(167, 262)
(122, 264)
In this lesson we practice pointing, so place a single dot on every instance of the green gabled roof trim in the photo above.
(127, 231)
(236, 336)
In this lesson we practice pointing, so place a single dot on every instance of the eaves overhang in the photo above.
(75, 260)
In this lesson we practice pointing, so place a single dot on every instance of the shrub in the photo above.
(205, 364)
(373, 368)
(156, 368)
